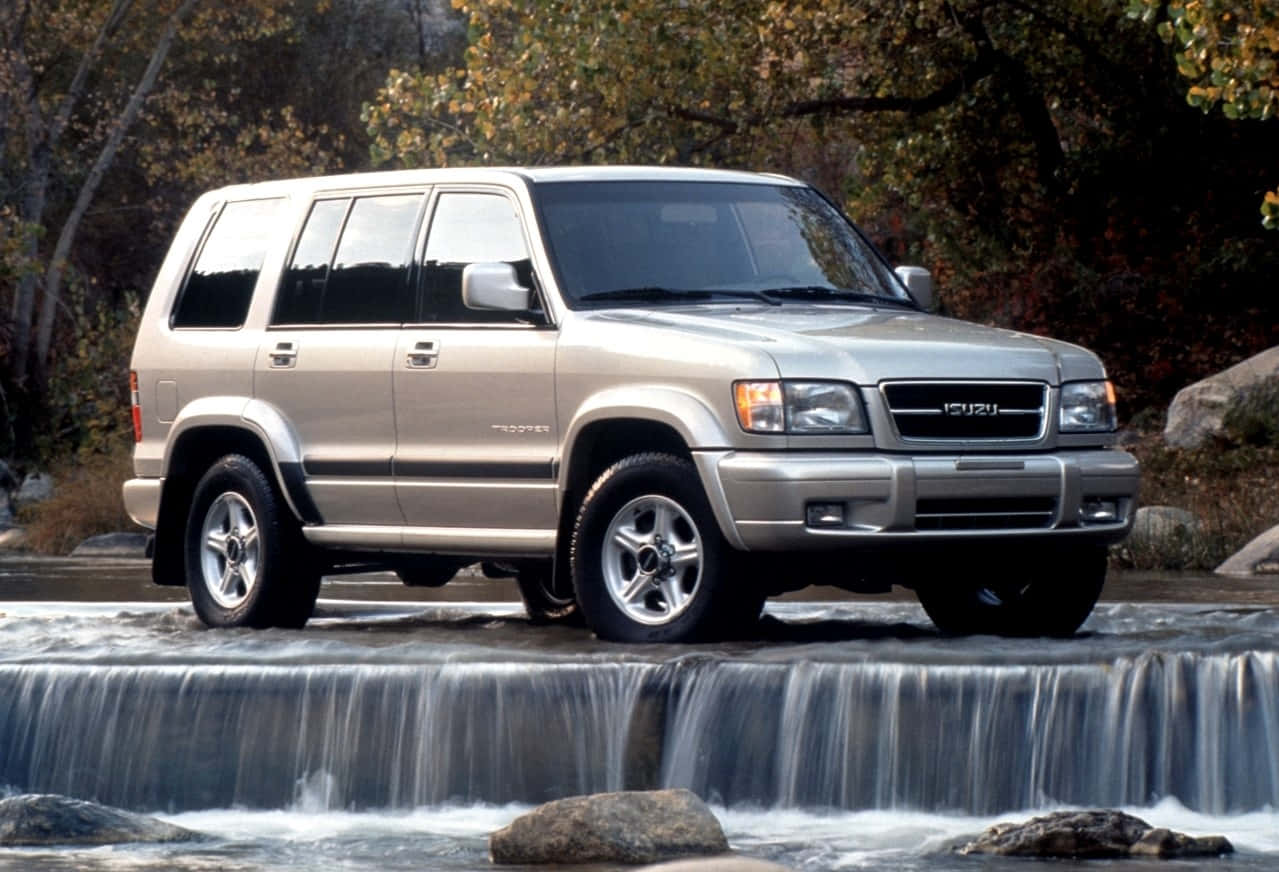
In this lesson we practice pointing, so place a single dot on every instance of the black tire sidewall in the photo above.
(1064, 585)
(542, 605)
(240, 475)
(638, 476)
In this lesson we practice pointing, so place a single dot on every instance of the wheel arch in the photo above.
(618, 423)
(206, 430)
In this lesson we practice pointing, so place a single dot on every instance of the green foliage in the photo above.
(1039, 158)
(88, 407)
(1230, 53)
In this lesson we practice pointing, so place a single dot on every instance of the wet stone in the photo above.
(1091, 835)
(633, 827)
(113, 545)
(49, 819)
(1258, 557)
(36, 488)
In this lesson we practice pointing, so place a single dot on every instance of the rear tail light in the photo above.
(136, 402)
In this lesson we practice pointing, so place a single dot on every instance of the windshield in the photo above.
(617, 243)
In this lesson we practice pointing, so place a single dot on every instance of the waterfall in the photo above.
(1203, 728)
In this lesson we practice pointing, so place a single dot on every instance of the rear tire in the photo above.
(247, 564)
(649, 562)
(1044, 595)
(433, 571)
(547, 600)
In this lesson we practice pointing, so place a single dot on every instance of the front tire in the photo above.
(649, 563)
(1043, 594)
(246, 562)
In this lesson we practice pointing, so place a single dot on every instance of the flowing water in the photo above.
(397, 735)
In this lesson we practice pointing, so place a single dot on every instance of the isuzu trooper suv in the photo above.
(653, 396)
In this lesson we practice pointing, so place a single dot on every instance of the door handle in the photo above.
(423, 355)
(284, 355)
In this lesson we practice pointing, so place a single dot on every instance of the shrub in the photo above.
(86, 502)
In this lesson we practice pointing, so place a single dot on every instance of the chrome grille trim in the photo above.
(967, 411)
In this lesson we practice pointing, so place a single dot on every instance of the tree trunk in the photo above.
(42, 139)
(61, 251)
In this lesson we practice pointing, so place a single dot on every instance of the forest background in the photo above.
(1102, 171)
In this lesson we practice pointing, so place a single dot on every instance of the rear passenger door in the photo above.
(474, 391)
(326, 356)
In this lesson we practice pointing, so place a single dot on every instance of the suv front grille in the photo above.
(967, 410)
(1001, 513)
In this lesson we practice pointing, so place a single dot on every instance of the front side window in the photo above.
(681, 242)
(352, 264)
(466, 229)
(220, 286)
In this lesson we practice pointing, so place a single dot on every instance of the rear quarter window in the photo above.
(219, 287)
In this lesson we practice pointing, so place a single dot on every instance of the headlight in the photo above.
(1088, 407)
(799, 407)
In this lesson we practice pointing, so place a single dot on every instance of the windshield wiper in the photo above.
(656, 293)
(821, 292)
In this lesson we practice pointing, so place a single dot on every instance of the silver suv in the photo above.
(653, 396)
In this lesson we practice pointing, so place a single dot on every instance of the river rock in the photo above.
(1092, 835)
(36, 488)
(634, 827)
(48, 819)
(1197, 410)
(724, 863)
(1154, 525)
(1258, 557)
(13, 539)
(113, 545)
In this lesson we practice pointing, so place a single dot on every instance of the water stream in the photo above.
(397, 735)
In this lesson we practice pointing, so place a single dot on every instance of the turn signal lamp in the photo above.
(760, 408)
(136, 400)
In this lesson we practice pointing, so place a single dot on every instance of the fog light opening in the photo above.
(825, 514)
(1099, 511)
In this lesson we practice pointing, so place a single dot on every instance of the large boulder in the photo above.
(1197, 411)
(1258, 557)
(1166, 530)
(48, 819)
(36, 488)
(1092, 835)
(635, 827)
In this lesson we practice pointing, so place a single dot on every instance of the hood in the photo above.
(867, 345)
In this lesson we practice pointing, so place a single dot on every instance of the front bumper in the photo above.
(761, 498)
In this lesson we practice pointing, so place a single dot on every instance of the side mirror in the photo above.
(493, 286)
(919, 282)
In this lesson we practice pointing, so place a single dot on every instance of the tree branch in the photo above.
(979, 68)
(89, 189)
(110, 25)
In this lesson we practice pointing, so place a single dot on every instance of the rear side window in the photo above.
(353, 263)
(220, 286)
